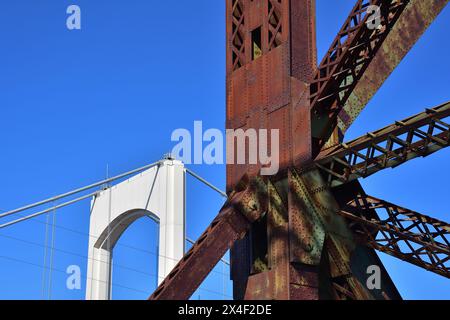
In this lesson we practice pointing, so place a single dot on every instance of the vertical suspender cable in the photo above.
(51, 256)
(44, 269)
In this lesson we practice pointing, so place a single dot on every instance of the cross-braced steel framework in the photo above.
(311, 231)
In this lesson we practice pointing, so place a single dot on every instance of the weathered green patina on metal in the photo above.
(415, 20)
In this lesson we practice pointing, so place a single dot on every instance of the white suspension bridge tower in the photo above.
(157, 191)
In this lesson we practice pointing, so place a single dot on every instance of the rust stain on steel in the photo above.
(413, 23)
(401, 232)
(287, 279)
(270, 92)
(201, 259)
(278, 246)
(306, 228)
(287, 239)
(246, 206)
(345, 62)
(416, 136)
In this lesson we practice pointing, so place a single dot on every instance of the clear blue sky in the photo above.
(73, 102)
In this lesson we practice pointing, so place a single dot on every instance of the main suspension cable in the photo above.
(70, 193)
(48, 210)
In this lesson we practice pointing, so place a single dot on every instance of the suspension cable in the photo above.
(196, 176)
(70, 193)
(81, 233)
(44, 269)
(53, 209)
(100, 183)
(48, 210)
(78, 255)
(11, 259)
(52, 249)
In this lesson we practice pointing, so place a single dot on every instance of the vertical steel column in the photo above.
(271, 92)
(300, 249)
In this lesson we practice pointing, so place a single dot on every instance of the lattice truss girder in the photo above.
(417, 136)
(275, 23)
(402, 233)
(415, 238)
(238, 34)
(346, 61)
(409, 28)
(240, 31)
(405, 234)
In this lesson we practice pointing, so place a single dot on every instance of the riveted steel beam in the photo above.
(400, 232)
(342, 262)
(344, 64)
(246, 206)
(417, 136)
(413, 23)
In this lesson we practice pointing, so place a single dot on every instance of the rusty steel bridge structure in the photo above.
(311, 231)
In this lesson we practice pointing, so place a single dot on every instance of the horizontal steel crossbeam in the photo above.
(417, 136)
(402, 233)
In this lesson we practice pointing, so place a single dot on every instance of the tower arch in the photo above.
(158, 193)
